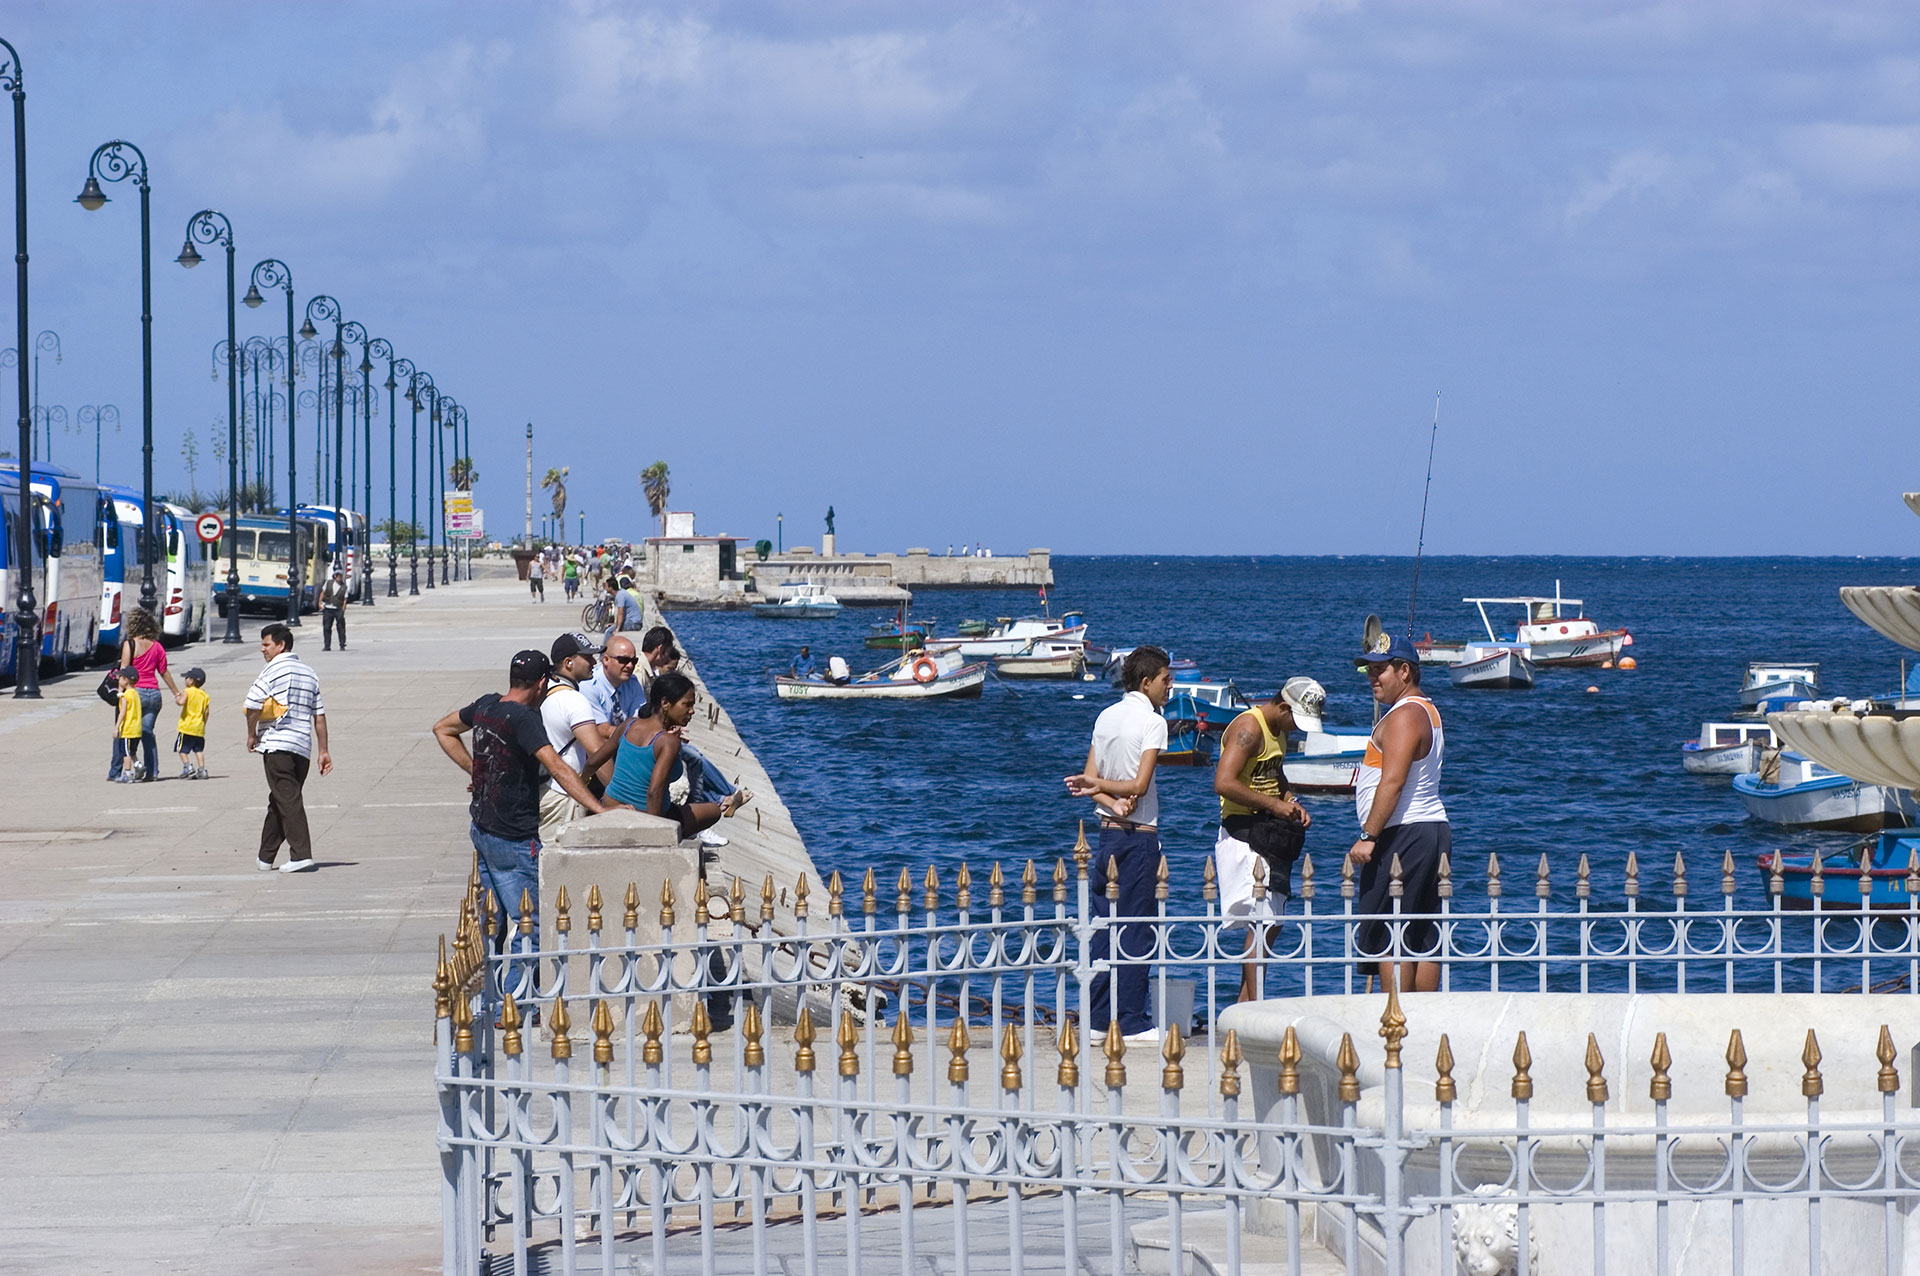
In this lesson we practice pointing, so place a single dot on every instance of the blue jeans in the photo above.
(705, 781)
(509, 868)
(149, 714)
(1133, 859)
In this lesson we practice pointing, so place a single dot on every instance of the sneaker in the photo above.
(710, 838)
(298, 866)
(201, 774)
(265, 866)
(1145, 1037)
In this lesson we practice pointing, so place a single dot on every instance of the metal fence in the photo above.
(934, 1099)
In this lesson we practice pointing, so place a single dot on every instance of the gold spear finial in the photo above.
(1596, 1072)
(1866, 875)
(1209, 883)
(562, 916)
(1059, 879)
(766, 899)
(958, 1043)
(1726, 873)
(1888, 1082)
(1660, 1088)
(560, 1021)
(1811, 1086)
(1346, 877)
(1736, 1066)
(868, 901)
(1112, 891)
(996, 886)
(1393, 1024)
(1913, 871)
(803, 1060)
(702, 1027)
(1029, 883)
(1522, 1061)
(1444, 1091)
(442, 983)
(737, 902)
(1116, 1051)
(1259, 876)
(836, 892)
(963, 887)
(602, 1032)
(800, 889)
(903, 893)
(1068, 1041)
(902, 1044)
(1349, 1063)
(1306, 877)
(1173, 1050)
(526, 912)
(1776, 879)
(1680, 875)
(1493, 875)
(1444, 887)
(593, 909)
(751, 1030)
(462, 1024)
(1160, 880)
(510, 1041)
(849, 1037)
(1010, 1058)
(1633, 875)
(1396, 878)
(1230, 1066)
(652, 1028)
(1542, 887)
(1082, 853)
(933, 889)
(1583, 879)
(632, 902)
(1290, 1057)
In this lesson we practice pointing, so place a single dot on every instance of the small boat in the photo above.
(799, 600)
(1804, 794)
(1891, 861)
(1440, 651)
(900, 635)
(1188, 744)
(1014, 637)
(1050, 659)
(914, 676)
(1487, 666)
(976, 628)
(1552, 636)
(1319, 760)
(1189, 670)
(1727, 748)
(1222, 701)
(1771, 685)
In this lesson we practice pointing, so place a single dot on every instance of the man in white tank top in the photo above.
(1397, 795)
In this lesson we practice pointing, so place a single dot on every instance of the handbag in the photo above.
(273, 710)
(109, 688)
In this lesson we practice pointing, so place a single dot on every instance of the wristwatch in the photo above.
(1368, 837)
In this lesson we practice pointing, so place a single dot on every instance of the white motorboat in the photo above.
(1015, 637)
(1050, 659)
(1727, 748)
(1491, 666)
(918, 675)
(1771, 685)
(799, 600)
(1805, 794)
(1550, 635)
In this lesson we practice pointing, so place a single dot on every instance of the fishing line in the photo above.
(1420, 548)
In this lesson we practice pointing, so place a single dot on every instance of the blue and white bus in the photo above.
(189, 587)
(10, 516)
(120, 562)
(66, 518)
(264, 553)
(346, 532)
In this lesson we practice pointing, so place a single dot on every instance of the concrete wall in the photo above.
(922, 570)
(685, 567)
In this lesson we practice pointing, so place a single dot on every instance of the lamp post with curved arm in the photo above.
(462, 482)
(210, 227)
(396, 368)
(273, 273)
(324, 308)
(26, 618)
(418, 385)
(443, 417)
(432, 393)
(257, 349)
(356, 333)
(310, 355)
(98, 415)
(114, 161)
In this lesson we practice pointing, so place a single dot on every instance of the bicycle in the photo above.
(597, 616)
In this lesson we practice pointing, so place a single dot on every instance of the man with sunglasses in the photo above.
(615, 694)
(1397, 795)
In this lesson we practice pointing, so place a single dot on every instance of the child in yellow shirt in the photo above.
(126, 730)
(191, 743)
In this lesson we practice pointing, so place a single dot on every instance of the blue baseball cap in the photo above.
(1386, 649)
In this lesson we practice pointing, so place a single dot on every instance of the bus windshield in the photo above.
(274, 546)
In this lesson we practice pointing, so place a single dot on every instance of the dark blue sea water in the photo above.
(1554, 770)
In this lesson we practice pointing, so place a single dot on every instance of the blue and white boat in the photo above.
(1214, 704)
(1889, 860)
(1727, 748)
(1319, 760)
(1772, 685)
(1805, 794)
(799, 600)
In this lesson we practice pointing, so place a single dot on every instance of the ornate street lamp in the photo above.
(324, 308)
(443, 415)
(463, 456)
(355, 332)
(115, 161)
(273, 273)
(417, 384)
(99, 415)
(26, 617)
(396, 368)
(210, 227)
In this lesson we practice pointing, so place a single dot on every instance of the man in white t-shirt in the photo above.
(574, 727)
(1128, 739)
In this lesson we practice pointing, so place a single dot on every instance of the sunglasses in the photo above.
(628, 661)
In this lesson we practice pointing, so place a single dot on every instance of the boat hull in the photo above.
(801, 611)
(1889, 887)
(1725, 759)
(1580, 649)
(1440, 652)
(1774, 696)
(1503, 670)
(1335, 774)
(987, 648)
(1057, 668)
(965, 683)
(1831, 802)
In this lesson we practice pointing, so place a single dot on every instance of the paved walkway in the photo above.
(213, 1069)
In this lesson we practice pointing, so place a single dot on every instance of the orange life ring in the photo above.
(924, 670)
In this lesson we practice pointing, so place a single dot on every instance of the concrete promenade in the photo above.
(212, 1069)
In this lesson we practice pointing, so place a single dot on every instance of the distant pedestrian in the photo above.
(572, 725)
(510, 752)
(191, 743)
(570, 576)
(1397, 795)
(1260, 819)
(629, 609)
(803, 666)
(537, 578)
(142, 652)
(333, 610)
(286, 723)
(1128, 738)
(126, 729)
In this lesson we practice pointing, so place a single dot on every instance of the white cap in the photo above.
(1305, 696)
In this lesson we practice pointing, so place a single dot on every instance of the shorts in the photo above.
(189, 744)
(1233, 860)
(1420, 848)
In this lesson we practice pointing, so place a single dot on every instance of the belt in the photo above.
(1126, 826)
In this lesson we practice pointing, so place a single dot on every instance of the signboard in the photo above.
(209, 527)
(463, 520)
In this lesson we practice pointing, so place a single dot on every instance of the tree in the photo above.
(556, 482)
(398, 532)
(658, 485)
(190, 453)
(464, 475)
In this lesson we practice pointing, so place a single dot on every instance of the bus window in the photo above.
(274, 547)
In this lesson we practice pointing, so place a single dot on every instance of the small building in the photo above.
(688, 569)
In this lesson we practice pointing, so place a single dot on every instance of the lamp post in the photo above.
(114, 161)
(273, 273)
(99, 415)
(324, 308)
(210, 227)
(26, 618)
(355, 333)
(444, 415)
(417, 384)
(309, 353)
(463, 453)
(433, 462)
(256, 349)
(47, 340)
(384, 349)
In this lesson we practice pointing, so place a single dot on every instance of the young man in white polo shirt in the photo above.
(1128, 739)
(574, 727)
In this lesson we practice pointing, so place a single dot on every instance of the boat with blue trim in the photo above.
(1890, 863)
(1792, 789)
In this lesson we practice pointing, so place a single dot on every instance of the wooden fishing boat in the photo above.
(1060, 661)
(1890, 863)
(1490, 667)
(1551, 635)
(915, 676)
(1727, 748)
(1805, 794)
(1772, 685)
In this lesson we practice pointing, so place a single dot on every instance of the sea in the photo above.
(1586, 762)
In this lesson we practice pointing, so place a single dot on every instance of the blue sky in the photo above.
(1106, 278)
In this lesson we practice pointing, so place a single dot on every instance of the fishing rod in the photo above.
(1420, 548)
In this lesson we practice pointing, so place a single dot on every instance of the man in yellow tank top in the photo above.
(1259, 820)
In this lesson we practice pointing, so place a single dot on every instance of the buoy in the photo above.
(1078, 696)
(1606, 664)
(1628, 662)
(1591, 690)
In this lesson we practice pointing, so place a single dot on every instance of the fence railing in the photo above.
(936, 1083)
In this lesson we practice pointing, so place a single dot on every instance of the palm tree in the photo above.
(464, 474)
(655, 482)
(556, 481)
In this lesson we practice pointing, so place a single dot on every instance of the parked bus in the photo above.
(10, 516)
(264, 554)
(66, 517)
(120, 562)
(346, 533)
(189, 587)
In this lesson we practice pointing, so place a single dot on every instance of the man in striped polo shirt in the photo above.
(285, 722)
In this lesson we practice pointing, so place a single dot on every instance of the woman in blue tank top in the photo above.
(648, 759)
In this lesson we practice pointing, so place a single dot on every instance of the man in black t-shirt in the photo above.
(509, 763)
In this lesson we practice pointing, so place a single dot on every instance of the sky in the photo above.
(1105, 278)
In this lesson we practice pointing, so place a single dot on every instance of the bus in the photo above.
(346, 533)
(189, 587)
(120, 562)
(66, 517)
(263, 550)
(10, 516)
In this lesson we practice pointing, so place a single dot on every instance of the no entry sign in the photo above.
(208, 528)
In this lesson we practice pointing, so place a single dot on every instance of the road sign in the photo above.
(209, 527)
(461, 516)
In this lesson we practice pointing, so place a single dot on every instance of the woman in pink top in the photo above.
(143, 653)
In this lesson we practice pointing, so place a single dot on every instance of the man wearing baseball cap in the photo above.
(574, 726)
(1260, 819)
(510, 749)
(1397, 795)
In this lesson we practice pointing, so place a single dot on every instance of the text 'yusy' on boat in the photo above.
(918, 675)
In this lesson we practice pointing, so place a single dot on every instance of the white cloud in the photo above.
(1857, 157)
(1631, 176)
